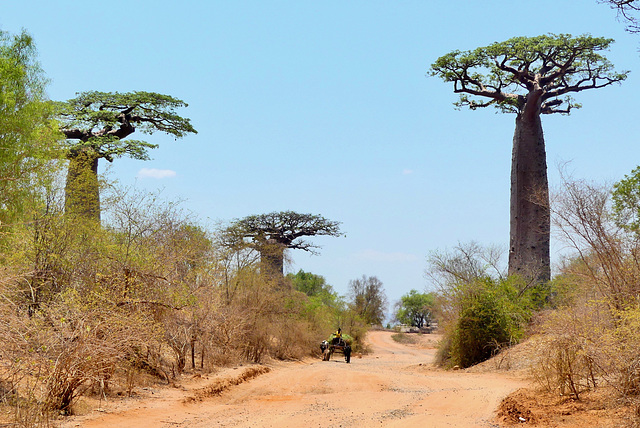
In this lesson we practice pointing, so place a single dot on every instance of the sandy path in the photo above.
(394, 386)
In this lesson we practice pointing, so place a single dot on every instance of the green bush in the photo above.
(492, 314)
(481, 328)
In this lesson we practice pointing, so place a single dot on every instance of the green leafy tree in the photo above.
(27, 131)
(415, 309)
(271, 234)
(529, 76)
(96, 125)
(626, 201)
(368, 299)
(312, 285)
(489, 315)
(482, 326)
(479, 309)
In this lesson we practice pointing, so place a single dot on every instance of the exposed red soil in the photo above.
(395, 385)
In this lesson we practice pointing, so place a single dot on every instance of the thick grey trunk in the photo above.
(82, 192)
(529, 253)
(272, 263)
(272, 260)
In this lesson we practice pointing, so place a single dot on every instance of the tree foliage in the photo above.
(96, 125)
(286, 228)
(416, 309)
(28, 139)
(100, 122)
(626, 201)
(543, 69)
(314, 286)
(368, 299)
(271, 234)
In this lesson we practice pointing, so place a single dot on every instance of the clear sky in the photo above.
(326, 108)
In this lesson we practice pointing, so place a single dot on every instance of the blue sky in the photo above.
(326, 108)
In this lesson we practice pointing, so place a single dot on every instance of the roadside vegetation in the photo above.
(480, 309)
(586, 320)
(104, 288)
(146, 295)
(406, 339)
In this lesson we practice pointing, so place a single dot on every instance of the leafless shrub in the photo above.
(85, 343)
(564, 367)
(595, 338)
(607, 258)
(67, 346)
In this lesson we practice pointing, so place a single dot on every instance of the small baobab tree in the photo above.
(271, 234)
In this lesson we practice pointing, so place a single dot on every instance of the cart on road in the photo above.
(336, 344)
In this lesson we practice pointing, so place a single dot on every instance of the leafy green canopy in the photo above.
(310, 283)
(415, 308)
(507, 73)
(101, 120)
(626, 201)
(27, 132)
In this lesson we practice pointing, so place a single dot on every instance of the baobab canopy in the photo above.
(100, 121)
(529, 76)
(96, 125)
(270, 234)
(504, 74)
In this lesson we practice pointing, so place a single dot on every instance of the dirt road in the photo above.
(394, 386)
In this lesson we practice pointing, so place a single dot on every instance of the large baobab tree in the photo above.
(96, 124)
(529, 76)
(271, 234)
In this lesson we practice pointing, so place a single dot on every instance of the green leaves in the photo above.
(535, 71)
(415, 308)
(626, 202)
(102, 120)
(27, 132)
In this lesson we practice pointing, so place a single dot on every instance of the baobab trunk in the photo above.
(272, 264)
(529, 254)
(82, 192)
(272, 260)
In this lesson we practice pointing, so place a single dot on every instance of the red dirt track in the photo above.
(393, 386)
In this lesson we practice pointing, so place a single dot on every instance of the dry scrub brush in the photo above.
(90, 309)
(70, 345)
(274, 322)
(594, 336)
